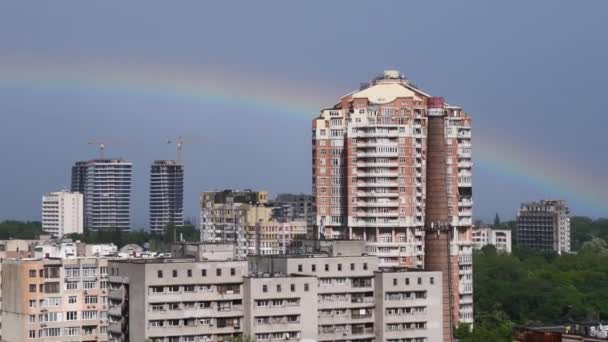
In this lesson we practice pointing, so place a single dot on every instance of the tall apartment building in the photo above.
(544, 226)
(499, 238)
(106, 186)
(62, 213)
(370, 163)
(294, 207)
(54, 299)
(166, 194)
(342, 296)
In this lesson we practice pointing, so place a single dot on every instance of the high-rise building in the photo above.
(62, 213)
(370, 169)
(106, 186)
(544, 226)
(166, 194)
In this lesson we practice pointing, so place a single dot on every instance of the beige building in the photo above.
(337, 295)
(54, 299)
(499, 238)
(63, 213)
(369, 177)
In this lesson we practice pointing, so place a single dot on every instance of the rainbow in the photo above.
(239, 89)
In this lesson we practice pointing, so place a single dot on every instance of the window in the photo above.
(87, 285)
(32, 318)
(51, 288)
(293, 288)
(339, 267)
(365, 266)
(218, 272)
(158, 289)
(395, 281)
(32, 334)
(432, 280)
(71, 331)
(203, 273)
(306, 287)
(326, 267)
(279, 288)
(232, 272)
(71, 285)
(352, 267)
(90, 299)
(419, 281)
(103, 270)
(313, 267)
(89, 272)
(32, 303)
(53, 332)
(159, 274)
(264, 288)
(173, 289)
(174, 273)
(72, 299)
(89, 315)
(189, 273)
(32, 273)
(32, 288)
(188, 288)
(300, 268)
(71, 315)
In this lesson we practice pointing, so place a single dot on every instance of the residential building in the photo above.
(54, 299)
(544, 226)
(499, 238)
(63, 213)
(106, 186)
(339, 294)
(276, 237)
(571, 332)
(175, 300)
(294, 207)
(166, 195)
(371, 163)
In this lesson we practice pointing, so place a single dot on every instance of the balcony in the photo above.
(377, 194)
(391, 163)
(377, 174)
(391, 204)
(377, 184)
(465, 164)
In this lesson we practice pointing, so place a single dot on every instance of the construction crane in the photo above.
(180, 145)
(101, 145)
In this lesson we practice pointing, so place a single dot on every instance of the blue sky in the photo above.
(531, 74)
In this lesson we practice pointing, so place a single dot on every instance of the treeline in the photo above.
(28, 230)
(533, 288)
(32, 230)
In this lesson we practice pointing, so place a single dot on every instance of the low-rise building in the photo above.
(499, 238)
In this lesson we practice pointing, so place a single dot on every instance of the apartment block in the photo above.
(175, 300)
(54, 299)
(370, 165)
(62, 213)
(544, 226)
(106, 186)
(294, 207)
(166, 194)
(499, 238)
(280, 308)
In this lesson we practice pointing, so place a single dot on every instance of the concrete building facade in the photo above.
(544, 226)
(106, 186)
(370, 163)
(63, 213)
(166, 194)
(54, 299)
(294, 207)
(499, 238)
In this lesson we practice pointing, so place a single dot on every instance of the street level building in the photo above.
(166, 195)
(544, 226)
(63, 213)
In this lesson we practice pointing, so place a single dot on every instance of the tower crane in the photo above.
(101, 145)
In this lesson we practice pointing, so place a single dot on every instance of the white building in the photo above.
(499, 238)
(62, 213)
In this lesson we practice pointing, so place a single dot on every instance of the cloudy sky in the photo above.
(241, 81)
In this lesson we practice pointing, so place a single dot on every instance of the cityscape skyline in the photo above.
(81, 89)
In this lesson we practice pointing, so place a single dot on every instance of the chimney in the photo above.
(437, 226)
